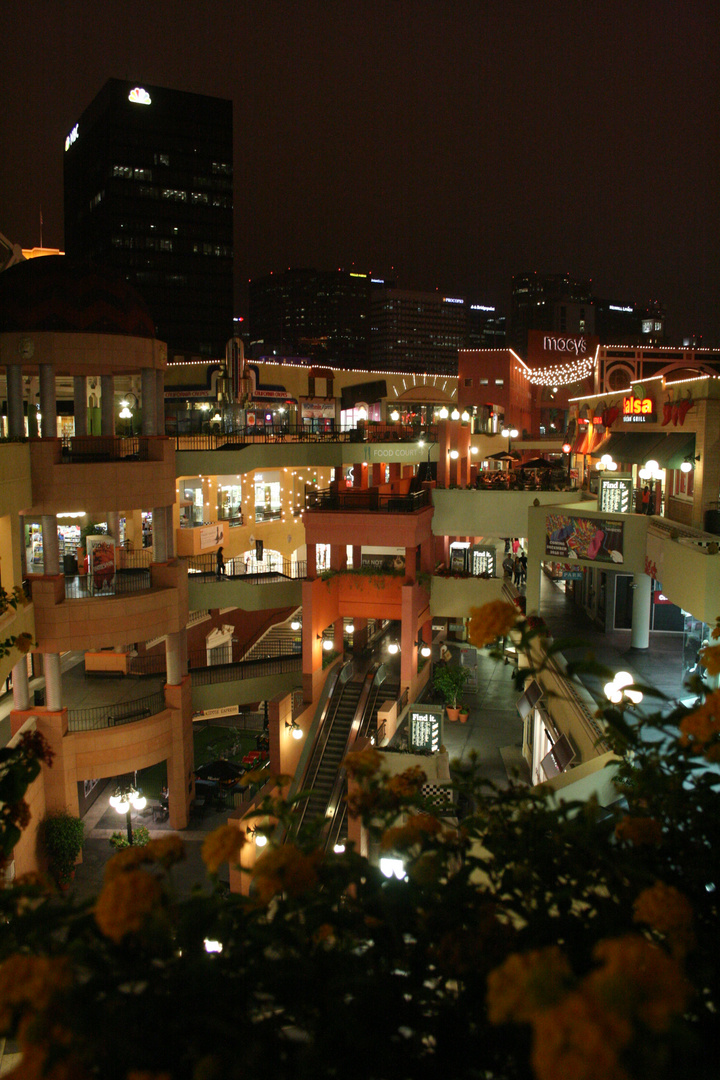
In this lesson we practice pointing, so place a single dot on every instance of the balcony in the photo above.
(370, 499)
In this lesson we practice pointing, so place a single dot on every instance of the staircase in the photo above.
(278, 640)
(327, 757)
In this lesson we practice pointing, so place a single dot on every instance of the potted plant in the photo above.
(62, 839)
(449, 681)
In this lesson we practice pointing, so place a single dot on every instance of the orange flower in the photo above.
(526, 983)
(637, 978)
(125, 902)
(668, 911)
(639, 830)
(221, 846)
(408, 783)
(362, 762)
(28, 984)
(166, 850)
(24, 643)
(286, 869)
(576, 1039)
(491, 621)
(414, 831)
(699, 730)
(710, 659)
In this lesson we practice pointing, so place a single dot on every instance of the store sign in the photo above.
(71, 138)
(638, 410)
(572, 575)
(424, 728)
(317, 410)
(138, 96)
(593, 539)
(615, 495)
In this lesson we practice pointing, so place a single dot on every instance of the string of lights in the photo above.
(562, 374)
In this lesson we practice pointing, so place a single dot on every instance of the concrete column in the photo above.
(48, 401)
(160, 545)
(170, 531)
(51, 548)
(378, 474)
(20, 687)
(338, 556)
(80, 404)
(16, 419)
(32, 418)
(107, 405)
(357, 556)
(174, 658)
(360, 635)
(113, 524)
(411, 564)
(160, 401)
(338, 635)
(640, 634)
(53, 681)
(532, 586)
(149, 402)
(311, 558)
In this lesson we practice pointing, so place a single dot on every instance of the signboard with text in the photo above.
(616, 495)
(424, 727)
(595, 539)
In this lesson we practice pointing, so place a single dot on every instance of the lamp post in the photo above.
(126, 799)
(428, 469)
(509, 434)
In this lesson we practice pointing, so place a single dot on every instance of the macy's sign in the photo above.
(576, 346)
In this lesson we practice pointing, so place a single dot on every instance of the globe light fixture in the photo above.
(619, 688)
(455, 414)
(394, 416)
(393, 648)
(454, 455)
(443, 414)
(125, 799)
(686, 467)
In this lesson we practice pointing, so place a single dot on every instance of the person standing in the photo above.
(219, 563)
(645, 500)
(523, 567)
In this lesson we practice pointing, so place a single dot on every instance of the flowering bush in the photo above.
(533, 937)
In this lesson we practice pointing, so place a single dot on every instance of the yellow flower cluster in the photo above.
(526, 983)
(28, 984)
(125, 903)
(166, 851)
(285, 869)
(221, 846)
(639, 830)
(667, 910)
(24, 643)
(362, 762)
(416, 829)
(710, 659)
(406, 784)
(491, 621)
(583, 1031)
(700, 730)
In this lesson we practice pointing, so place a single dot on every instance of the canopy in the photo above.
(223, 772)
(669, 449)
(504, 456)
(541, 463)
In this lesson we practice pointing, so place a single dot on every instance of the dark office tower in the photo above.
(321, 314)
(149, 191)
(555, 302)
(485, 328)
(416, 331)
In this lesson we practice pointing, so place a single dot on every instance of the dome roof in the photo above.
(58, 295)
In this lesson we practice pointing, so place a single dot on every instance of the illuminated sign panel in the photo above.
(71, 138)
(480, 307)
(138, 96)
(574, 346)
(615, 307)
(615, 495)
(424, 728)
(638, 410)
(452, 300)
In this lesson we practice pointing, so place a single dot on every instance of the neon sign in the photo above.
(71, 138)
(452, 300)
(638, 410)
(138, 96)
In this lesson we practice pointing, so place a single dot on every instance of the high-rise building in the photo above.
(149, 191)
(321, 314)
(557, 302)
(416, 331)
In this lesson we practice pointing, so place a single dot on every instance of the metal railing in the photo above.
(83, 448)
(122, 582)
(246, 669)
(370, 499)
(198, 660)
(204, 567)
(122, 712)
(236, 440)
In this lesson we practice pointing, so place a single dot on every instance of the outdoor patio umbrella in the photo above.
(541, 463)
(504, 456)
(221, 771)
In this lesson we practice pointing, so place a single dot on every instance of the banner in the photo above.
(594, 539)
(101, 563)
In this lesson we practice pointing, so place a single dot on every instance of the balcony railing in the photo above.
(83, 586)
(124, 712)
(83, 448)
(224, 655)
(370, 499)
(246, 669)
(203, 568)
(236, 440)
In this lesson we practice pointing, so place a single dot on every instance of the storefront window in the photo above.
(268, 496)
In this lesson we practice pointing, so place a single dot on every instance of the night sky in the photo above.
(456, 142)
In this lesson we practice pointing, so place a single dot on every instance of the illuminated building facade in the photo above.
(149, 191)
(416, 331)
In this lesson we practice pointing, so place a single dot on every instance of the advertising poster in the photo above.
(595, 539)
(101, 563)
(211, 536)
(616, 495)
(424, 728)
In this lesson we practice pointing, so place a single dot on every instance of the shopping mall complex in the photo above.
(258, 536)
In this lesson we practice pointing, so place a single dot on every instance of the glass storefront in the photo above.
(268, 496)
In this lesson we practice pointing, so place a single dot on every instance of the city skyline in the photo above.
(446, 145)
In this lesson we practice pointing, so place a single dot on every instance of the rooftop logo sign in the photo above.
(71, 138)
(572, 345)
(138, 96)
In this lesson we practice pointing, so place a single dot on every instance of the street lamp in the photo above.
(126, 799)
(509, 434)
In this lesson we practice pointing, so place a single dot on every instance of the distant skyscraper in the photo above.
(556, 302)
(321, 314)
(149, 191)
(416, 331)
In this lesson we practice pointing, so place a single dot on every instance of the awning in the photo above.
(668, 449)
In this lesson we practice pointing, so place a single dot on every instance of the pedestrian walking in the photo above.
(516, 570)
(645, 500)
(523, 567)
(219, 563)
